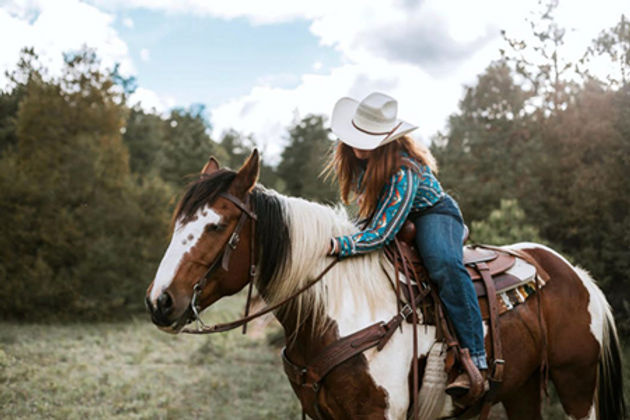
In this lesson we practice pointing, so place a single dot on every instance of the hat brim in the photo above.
(341, 125)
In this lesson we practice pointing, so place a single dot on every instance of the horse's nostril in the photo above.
(148, 304)
(165, 303)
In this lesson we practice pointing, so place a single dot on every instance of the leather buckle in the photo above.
(234, 240)
(497, 362)
(405, 311)
(303, 378)
(493, 377)
(304, 383)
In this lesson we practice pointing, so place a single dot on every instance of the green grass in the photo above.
(133, 371)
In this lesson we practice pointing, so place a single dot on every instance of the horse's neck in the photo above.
(355, 294)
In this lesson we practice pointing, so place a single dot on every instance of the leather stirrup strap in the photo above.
(414, 317)
(495, 372)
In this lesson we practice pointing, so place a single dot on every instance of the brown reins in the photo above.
(224, 257)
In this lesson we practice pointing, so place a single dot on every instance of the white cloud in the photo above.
(53, 29)
(127, 23)
(145, 55)
(258, 12)
(421, 52)
(149, 100)
(267, 112)
(68, 25)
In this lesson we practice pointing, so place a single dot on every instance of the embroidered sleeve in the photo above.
(392, 210)
(429, 188)
(429, 191)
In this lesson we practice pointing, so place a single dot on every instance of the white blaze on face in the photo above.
(185, 237)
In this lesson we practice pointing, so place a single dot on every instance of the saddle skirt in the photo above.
(514, 278)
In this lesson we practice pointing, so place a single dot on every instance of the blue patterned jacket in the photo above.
(412, 187)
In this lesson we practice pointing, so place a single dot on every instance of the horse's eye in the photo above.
(215, 228)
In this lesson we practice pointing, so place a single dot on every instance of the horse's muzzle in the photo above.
(163, 314)
(162, 311)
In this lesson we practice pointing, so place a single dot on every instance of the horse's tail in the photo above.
(610, 401)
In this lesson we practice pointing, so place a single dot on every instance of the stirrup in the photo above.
(469, 383)
(459, 387)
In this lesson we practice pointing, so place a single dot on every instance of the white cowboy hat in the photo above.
(370, 123)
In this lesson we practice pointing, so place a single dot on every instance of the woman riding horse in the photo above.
(393, 178)
(230, 233)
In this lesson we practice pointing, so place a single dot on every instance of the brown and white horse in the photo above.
(291, 236)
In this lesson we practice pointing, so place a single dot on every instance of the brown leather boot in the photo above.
(469, 383)
(460, 386)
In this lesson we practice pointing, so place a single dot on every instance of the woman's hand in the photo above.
(332, 248)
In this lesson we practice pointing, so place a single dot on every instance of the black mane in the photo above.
(203, 190)
(272, 230)
(272, 235)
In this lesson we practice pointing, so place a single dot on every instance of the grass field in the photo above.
(133, 371)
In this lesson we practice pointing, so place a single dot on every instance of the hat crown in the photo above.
(377, 112)
(368, 124)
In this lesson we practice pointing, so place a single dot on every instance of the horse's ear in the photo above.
(248, 175)
(211, 167)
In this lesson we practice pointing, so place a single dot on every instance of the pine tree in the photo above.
(505, 225)
(304, 159)
(187, 144)
(144, 137)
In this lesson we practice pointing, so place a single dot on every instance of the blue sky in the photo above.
(201, 59)
(259, 66)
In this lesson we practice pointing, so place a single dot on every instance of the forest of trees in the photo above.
(88, 181)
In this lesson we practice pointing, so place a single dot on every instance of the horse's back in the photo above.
(573, 307)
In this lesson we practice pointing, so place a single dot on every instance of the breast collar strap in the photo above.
(226, 253)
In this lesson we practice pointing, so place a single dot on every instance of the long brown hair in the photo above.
(383, 162)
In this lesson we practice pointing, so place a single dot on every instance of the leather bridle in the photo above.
(224, 257)
(248, 211)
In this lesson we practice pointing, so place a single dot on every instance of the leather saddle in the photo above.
(500, 264)
(495, 272)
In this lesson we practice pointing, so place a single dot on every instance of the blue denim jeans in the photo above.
(439, 235)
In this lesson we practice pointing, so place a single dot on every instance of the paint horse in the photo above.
(290, 236)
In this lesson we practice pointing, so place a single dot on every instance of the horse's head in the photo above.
(203, 223)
